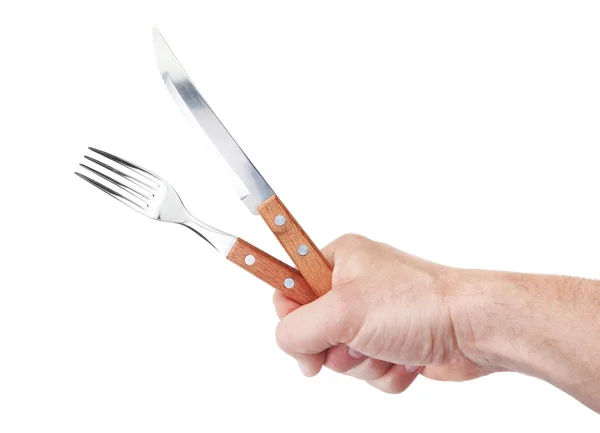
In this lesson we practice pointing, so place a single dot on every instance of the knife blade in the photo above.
(186, 96)
(260, 197)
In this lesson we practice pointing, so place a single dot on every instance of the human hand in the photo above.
(385, 320)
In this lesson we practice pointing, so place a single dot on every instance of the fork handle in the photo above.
(303, 252)
(282, 277)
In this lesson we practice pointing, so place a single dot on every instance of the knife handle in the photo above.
(282, 277)
(306, 256)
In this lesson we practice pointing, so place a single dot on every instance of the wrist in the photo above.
(493, 313)
(540, 325)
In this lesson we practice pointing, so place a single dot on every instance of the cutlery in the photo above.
(259, 198)
(152, 196)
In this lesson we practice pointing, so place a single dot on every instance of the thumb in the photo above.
(305, 330)
(308, 331)
(314, 327)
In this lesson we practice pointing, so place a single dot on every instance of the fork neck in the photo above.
(221, 241)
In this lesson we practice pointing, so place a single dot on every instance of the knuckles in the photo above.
(351, 240)
(353, 257)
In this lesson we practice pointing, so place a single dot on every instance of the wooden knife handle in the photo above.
(282, 277)
(306, 256)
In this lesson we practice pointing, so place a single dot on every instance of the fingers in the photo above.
(344, 360)
(395, 381)
(303, 334)
(385, 376)
(283, 304)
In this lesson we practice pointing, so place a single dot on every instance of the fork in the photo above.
(151, 195)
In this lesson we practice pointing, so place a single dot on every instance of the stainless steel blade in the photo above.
(186, 95)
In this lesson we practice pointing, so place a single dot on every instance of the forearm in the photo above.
(540, 325)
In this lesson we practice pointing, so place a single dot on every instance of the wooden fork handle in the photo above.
(306, 256)
(282, 277)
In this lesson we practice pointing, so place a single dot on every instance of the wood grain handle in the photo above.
(306, 256)
(282, 277)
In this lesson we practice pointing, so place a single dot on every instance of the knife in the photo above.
(259, 197)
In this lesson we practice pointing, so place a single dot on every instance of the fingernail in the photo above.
(303, 369)
(411, 368)
(355, 353)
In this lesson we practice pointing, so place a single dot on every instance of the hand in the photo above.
(384, 321)
(391, 316)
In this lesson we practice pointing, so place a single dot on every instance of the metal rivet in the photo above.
(289, 283)
(280, 220)
(249, 260)
(303, 250)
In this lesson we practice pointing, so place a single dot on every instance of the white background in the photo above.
(465, 132)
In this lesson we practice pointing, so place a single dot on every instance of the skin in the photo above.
(391, 316)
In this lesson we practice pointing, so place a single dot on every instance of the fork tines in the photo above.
(121, 179)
